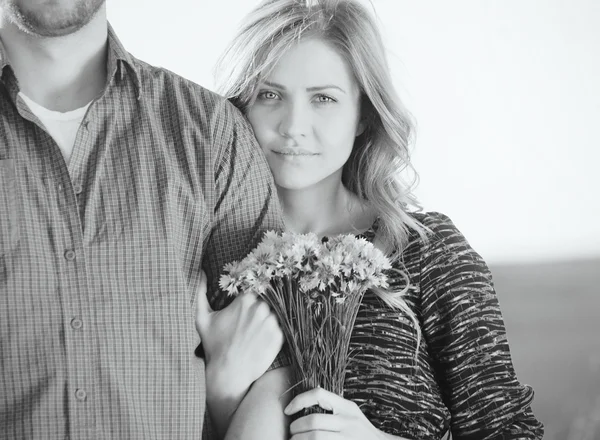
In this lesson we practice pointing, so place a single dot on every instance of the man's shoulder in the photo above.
(166, 84)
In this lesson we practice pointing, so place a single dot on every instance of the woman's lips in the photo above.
(293, 151)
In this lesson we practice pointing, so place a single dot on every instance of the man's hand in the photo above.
(240, 343)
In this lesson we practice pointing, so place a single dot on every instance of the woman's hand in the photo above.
(243, 339)
(347, 421)
(240, 343)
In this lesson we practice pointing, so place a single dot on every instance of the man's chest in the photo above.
(126, 210)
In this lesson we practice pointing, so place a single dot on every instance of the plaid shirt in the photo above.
(100, 259)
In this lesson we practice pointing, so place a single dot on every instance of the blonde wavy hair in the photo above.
(381, 153)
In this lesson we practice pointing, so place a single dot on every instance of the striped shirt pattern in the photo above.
(100, 260)
(461, 378)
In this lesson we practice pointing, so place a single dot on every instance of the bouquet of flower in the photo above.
(315, 288)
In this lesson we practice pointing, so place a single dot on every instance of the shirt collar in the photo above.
(3, 58)
(118, 58)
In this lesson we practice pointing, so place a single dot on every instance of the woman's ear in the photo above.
(361, 127)
(366, 111)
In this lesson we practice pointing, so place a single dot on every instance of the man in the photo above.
(119, 182)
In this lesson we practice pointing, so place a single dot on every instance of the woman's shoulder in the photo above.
(447, 270)
(440, 241)
(435, 222)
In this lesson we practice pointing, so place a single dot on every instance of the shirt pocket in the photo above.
(9, 216)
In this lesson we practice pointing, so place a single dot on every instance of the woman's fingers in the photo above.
(321, 435)
(317, 396)
(203, 309)
(316, 422)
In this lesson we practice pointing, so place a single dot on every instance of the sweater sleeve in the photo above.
(463, 326)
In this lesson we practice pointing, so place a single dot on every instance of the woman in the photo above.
(431, 352)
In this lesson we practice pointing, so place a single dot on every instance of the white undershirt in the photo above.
(61, 126)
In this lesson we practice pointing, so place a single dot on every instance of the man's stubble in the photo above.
(50, 18)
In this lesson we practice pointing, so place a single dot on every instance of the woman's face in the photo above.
(306, 115)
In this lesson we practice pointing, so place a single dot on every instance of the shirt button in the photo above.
(77, 189)
(80, 394)
(70, 255)
(76, 323)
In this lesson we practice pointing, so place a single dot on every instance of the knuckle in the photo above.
(279, 337)
(247, 299)
(272, 323)
(262, 309)
(311, 421)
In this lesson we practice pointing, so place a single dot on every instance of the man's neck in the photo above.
(60, 73)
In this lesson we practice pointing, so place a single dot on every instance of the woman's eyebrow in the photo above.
(308, 89)
(326, 86)
(273, 84)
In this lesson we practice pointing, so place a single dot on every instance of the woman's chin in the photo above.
(288, 185)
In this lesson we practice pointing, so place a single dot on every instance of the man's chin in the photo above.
(52, 23)
(46, 31)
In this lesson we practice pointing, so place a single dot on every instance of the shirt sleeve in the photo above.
(246, 203)
(245, 199)
(463, 326)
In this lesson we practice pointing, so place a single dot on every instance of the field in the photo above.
(552, 317)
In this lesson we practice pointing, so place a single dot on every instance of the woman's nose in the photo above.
(294, 121)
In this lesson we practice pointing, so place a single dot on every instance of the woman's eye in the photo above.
(268, 95)
(323, 99)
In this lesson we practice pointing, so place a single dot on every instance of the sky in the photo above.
(506, 95)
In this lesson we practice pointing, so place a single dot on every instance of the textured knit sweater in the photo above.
(461, 377)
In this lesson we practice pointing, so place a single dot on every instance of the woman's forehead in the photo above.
(311, 62)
